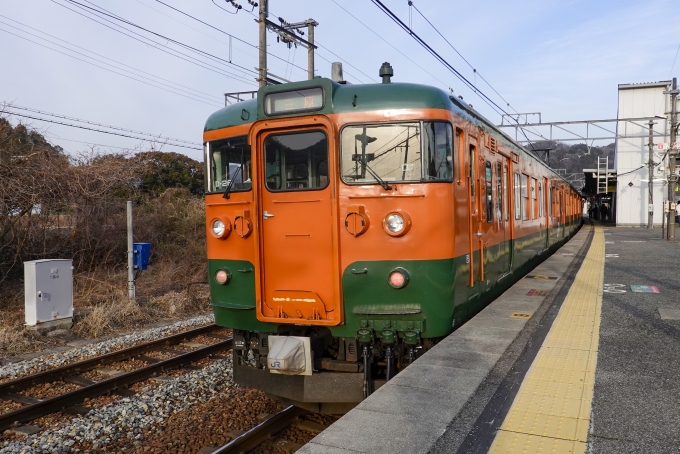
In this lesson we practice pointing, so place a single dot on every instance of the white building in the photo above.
(643, 101)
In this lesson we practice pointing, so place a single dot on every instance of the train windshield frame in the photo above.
(235, 152)
(398, 152)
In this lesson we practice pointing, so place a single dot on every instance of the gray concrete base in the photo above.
(412, 411)
(45, 327)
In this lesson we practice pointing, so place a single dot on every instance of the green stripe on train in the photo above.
(436, 299)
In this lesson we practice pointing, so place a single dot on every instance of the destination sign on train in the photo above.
(294, 101)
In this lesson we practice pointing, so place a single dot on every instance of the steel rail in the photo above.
(52, 375)
(262, 431)
(58, 403)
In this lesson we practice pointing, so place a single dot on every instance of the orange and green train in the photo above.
(351, 227)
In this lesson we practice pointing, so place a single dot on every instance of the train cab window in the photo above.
(397, 152)
(229, 163)
(296, 161)
(489, 188)
(518, 197)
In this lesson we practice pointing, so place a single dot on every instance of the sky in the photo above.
(563, 58)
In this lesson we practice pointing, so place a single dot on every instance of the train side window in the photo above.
(437, 151)
(518, 196)
(294, 161)
(534, 197)
(472, 170)
(489, 189)
(460, 148)
(540, 200)
(499, 192)
(553, 201)
(526, 213)
(505, 193)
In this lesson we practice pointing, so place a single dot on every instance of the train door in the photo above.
(503, 217)
(298, 276)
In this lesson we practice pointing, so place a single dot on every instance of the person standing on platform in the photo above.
(603, 212)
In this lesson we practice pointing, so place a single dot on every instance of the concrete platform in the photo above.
(417, 411)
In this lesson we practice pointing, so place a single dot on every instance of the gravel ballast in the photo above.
(18, 369)
(131, 419)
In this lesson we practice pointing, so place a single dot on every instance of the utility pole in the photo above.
(263, 43)
(672, 153)
(130, 251)
(650, 185)
(311, 23)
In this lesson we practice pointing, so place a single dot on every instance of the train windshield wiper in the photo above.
(378, 179)
(231, 182)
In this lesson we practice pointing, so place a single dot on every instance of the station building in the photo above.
(638, 104)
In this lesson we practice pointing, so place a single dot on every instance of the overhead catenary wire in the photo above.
(145, 139)
(494, 106)
(476, 73)
(228, 34)
(317, 43)
(148, 42)
(388, 43)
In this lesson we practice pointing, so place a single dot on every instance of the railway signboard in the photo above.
(666, 145)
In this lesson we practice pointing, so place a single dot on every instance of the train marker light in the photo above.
(398, 278)
(397, 223)
(223, 276)
(220, 228)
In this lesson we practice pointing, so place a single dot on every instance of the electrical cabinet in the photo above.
(48, 290)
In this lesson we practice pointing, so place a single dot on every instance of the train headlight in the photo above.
(220, 228)
(223, 276)
(397, 223)
(398, 278)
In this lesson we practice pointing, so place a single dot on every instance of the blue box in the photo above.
(140, 255)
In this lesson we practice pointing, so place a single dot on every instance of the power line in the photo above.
(104, 68)
(98, 130)
(104, 12)
(184, 89)
(65, 117)
(103, 56)
(674, 60)
(148, 42)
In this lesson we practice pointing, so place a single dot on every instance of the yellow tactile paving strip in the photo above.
(551, 411)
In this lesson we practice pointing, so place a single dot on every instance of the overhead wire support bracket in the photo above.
(292, 36)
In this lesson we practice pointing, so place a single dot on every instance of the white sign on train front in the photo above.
(666, 146)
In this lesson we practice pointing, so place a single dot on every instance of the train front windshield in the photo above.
(229, 161)
(397, 152)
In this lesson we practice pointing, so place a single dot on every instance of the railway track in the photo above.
(262, 432)
(69, 402)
